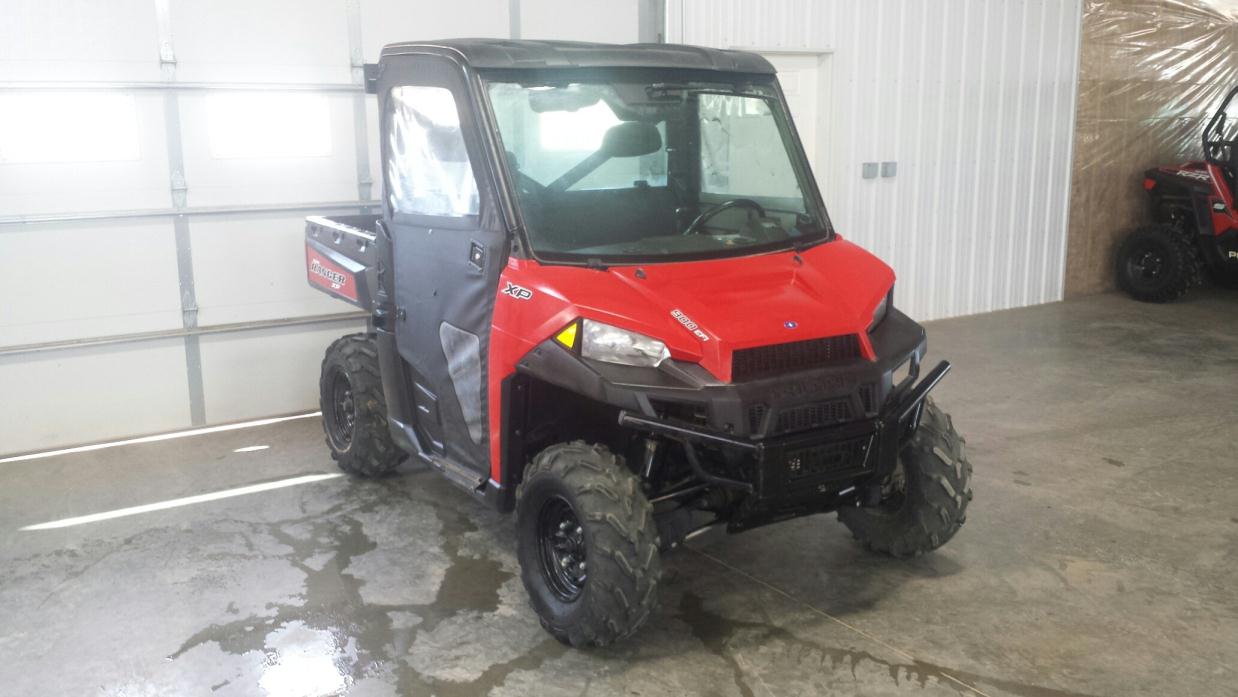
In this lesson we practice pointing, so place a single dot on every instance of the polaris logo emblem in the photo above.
(517, 292)
(790, 324)
(1232, 255)
(689, 324)
(335, 278)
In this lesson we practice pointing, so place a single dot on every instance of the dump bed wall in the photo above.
(341, 257)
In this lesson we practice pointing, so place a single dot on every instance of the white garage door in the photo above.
(157, 160)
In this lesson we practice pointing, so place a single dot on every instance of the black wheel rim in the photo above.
(1146, 265)
(343, 419)
(561, 542)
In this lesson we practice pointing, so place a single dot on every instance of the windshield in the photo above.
(639, 171)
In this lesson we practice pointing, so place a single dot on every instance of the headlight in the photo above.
(602, 342)
(883, 309)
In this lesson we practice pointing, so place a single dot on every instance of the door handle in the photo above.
(477, 255)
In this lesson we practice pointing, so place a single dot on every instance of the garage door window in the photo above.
(68, 127)
(428, 169)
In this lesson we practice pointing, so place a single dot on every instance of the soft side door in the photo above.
(449, 245)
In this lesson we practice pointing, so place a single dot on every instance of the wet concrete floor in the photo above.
(1100, 555)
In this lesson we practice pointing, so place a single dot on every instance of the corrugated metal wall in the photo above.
(974, 100)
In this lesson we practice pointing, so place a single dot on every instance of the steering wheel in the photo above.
(705, 215)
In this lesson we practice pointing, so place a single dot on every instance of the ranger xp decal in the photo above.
(335, 278)
(689, 324)
(517, 292)
(329, 276)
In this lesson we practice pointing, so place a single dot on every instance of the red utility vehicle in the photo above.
(605, 294)
(1196, 224)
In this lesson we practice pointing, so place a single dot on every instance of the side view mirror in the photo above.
(631, 139)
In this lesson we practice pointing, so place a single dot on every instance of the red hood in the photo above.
(736, 303)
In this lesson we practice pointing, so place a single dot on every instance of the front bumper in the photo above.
(815, 470)
(812, 439)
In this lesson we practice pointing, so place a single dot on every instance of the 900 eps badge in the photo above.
(689, 324)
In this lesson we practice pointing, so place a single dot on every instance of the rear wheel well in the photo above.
(1176, 211)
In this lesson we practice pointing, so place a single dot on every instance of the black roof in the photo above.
(507, 53)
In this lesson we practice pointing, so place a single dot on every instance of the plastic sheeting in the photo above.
(1151, 73)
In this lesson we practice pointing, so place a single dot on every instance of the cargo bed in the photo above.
(341, 258)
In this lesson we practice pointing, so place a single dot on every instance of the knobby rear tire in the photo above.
(1180, 268)
(369, 450)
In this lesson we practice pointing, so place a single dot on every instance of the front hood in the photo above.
(705, 310)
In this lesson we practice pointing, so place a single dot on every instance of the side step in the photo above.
(456, 473)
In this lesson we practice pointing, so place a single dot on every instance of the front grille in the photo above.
(814, 415)
(756, 414)
(868, 397)
(779, 359)
(830, 459)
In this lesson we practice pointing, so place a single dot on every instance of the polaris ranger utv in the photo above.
(1196, 223)
(604, 293)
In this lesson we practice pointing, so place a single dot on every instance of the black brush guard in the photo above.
(815, 470)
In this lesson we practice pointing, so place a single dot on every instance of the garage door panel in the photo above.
(87, 279)
(71, 396)
(245, 41)
(49, 39)
(265, 372)
(251, 148)
(249, 268)
(82, 151)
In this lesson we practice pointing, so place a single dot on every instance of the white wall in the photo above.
(82, 280)
(975, 101)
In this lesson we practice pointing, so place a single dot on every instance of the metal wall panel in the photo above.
(973, 99)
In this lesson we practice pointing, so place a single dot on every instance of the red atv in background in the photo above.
(604, 293)
(1196, 224)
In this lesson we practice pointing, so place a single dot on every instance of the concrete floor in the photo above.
(1100, 556)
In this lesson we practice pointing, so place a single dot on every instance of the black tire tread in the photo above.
(1184, 266)
(938, 492)
(372, 452)
(624, 566)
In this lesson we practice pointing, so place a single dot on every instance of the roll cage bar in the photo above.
(1217, 149)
